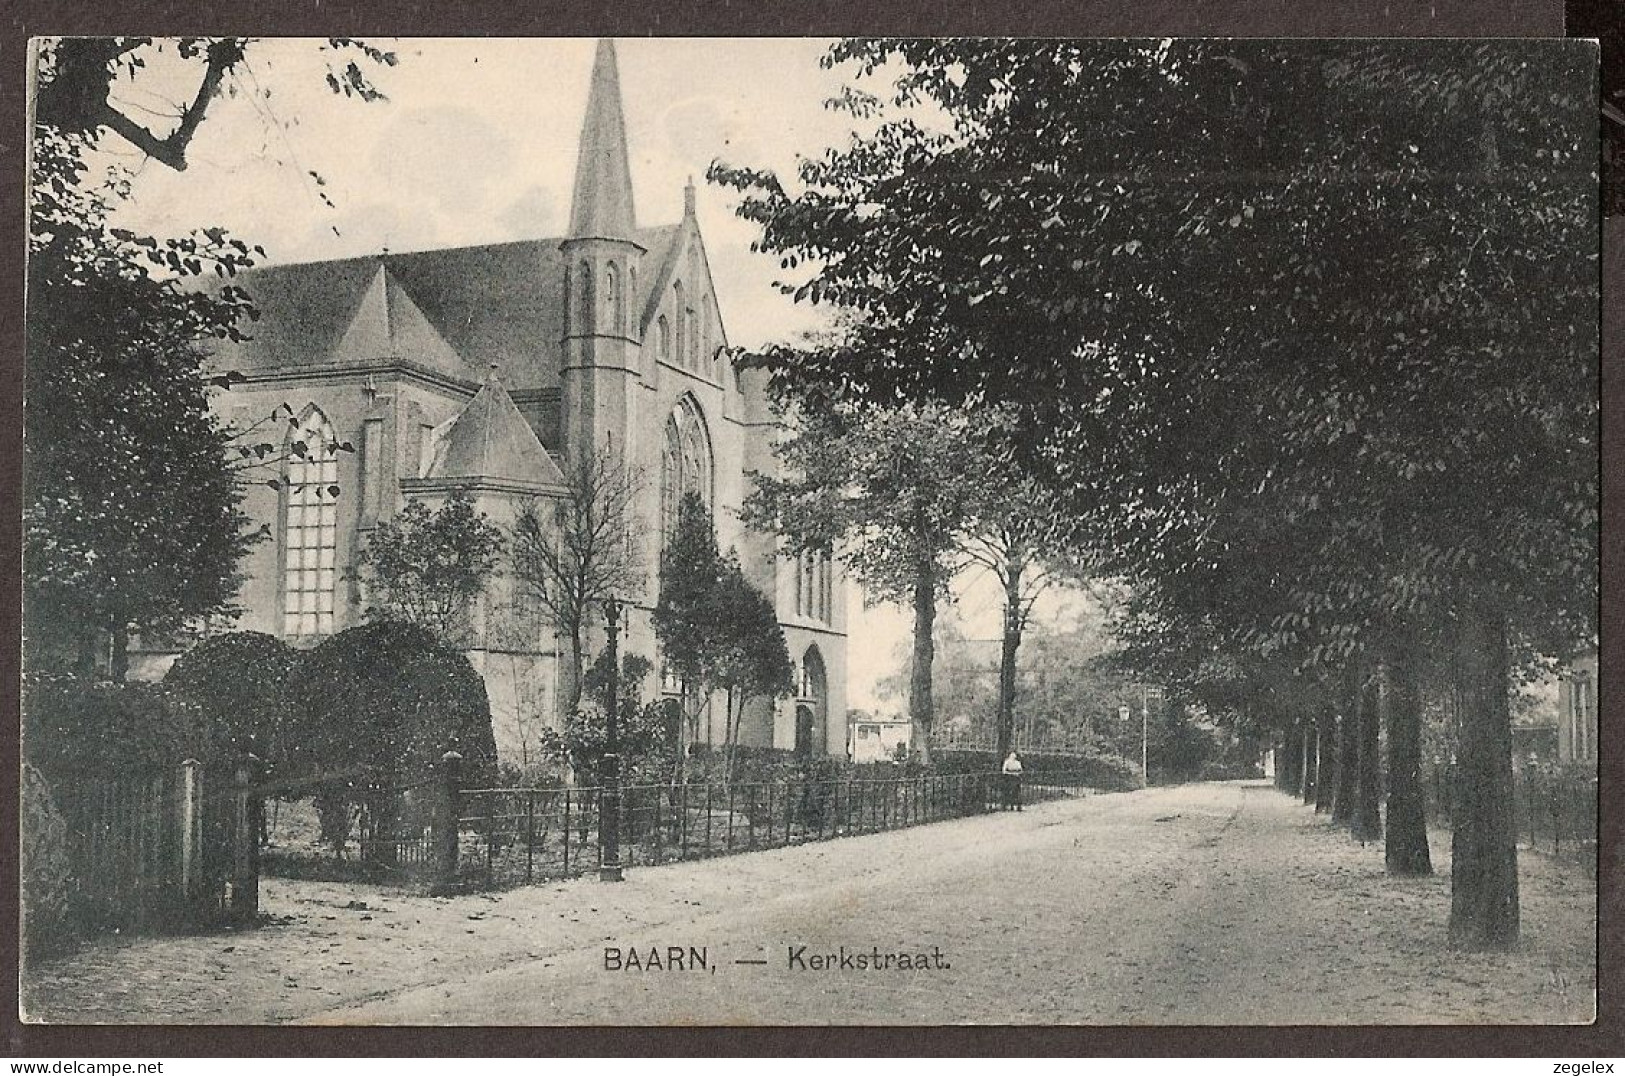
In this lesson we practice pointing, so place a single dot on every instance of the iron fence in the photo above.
(513, 836)
(159, 848)
(1554, 810)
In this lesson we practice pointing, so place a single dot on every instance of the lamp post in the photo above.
(609, 802)
(1145, 738)
(1147, 693)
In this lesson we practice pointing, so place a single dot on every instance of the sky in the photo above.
(475, 142)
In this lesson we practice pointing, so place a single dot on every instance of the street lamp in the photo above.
(609, 800)
(1145, 738)
(1147, 692)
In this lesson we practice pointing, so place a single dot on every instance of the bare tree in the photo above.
(573, 552)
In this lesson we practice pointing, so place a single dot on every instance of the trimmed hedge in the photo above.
(390, 697)
(1098, 769)
(74, 726)
(239, 684)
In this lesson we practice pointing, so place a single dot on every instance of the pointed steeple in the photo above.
(602, 204)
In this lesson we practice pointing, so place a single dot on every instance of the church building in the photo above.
(489, 369)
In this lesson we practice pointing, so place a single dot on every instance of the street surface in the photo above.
(1198, 904)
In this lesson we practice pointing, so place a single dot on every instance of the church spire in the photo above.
(602, 204)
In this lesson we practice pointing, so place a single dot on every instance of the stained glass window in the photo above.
(685, 461)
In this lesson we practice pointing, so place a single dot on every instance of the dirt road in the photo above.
(1214, 903)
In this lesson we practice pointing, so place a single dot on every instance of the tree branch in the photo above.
(170, 150)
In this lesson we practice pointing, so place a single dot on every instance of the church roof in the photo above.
(602, 203)
(388, 324)
(460, 310)
(457, 310)
(491, 440)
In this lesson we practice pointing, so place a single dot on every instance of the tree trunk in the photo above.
(570, 675)
(728, 739)
(84, 661)
(1483, 843)
(1311, 762)
(1348, 752)
(1407, 836)
(919, 682)
(1291, 765)
(118, 659)
(1366, 825)
(1006, 721)
(1326, 758)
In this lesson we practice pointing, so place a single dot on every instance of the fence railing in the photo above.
(1553, 812)
(160, 849)
(512, 836)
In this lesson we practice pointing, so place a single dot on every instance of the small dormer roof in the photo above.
(490, 440)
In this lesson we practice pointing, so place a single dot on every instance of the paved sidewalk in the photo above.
(1214, 903)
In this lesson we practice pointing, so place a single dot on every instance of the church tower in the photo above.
(602, 331)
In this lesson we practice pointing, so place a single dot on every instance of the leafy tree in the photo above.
(717, 632)
(891, 490)
(647, 730)
(425, 568)
(239, 683)
(132, 517)
(78, 93)
(131, 520)
(752, 659)
(1015, 536)
(685, 617)
(573, 553)
(1166, 298)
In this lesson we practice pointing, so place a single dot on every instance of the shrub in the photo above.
(376, 707)
(238, 683)
(389, 698)
(47, 876)
(73, 725)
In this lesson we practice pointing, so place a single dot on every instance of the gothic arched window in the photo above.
(569, 311)
(663, 332)
(612, 297)
(814, 587)
(310, 528)
(696, 358)
(589, 319)
(683, 358)
(685, 462)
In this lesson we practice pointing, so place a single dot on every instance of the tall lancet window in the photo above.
(695, 357)
(310, 529)
(663, 333)
(685, 462)
(569, 311)
(682, 324)
(589, 319)
(612, 299)
(708, 347)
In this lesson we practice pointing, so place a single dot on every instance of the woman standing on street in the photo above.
(1012, 782)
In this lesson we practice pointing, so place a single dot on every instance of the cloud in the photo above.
(448, 156)
(535, 212)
